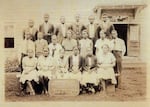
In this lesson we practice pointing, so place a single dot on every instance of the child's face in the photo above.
(68, 34)
(84, 34)
(105, 48)
(102, 34)
(114, 34)
(46, 53)
(54, 40)
(30, 53)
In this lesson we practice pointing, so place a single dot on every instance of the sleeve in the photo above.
(96, 44)
(40, 28)
(24, 62)
(38, 63)
(113, 59)
(23, 34)
(63, 44)
(50, 49)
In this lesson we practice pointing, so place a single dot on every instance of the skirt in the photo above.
(33, 75)
(107, 73)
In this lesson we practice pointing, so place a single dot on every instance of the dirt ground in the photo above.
(133, 89)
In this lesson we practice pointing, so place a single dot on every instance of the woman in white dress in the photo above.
(29, 73)
(106, 62)
(62, 66)
(45, 69)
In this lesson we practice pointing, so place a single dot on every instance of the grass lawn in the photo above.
(133, 89)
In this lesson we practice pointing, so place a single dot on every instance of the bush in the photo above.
(11, 65)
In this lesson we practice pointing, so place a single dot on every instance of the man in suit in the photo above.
(106, 26)
(32, 30)
(47, 28)
(119, 50)
(61, 30)
(77, 27)
(92, 27)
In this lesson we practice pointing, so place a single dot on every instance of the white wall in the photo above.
(20, 11)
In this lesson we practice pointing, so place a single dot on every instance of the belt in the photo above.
(117, 51)
(68, 50)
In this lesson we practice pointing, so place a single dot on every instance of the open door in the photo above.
(133, 40)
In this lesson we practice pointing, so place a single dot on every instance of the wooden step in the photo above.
(133, 62)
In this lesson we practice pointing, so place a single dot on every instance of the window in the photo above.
(9, 42)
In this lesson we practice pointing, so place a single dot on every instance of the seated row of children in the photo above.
(90, 71)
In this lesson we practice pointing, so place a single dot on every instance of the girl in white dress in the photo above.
(29, 73)
(106, 62)
(45, 69)
(62, 66)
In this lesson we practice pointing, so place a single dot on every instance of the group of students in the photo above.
(89, 54)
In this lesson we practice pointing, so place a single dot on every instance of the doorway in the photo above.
(122, 33)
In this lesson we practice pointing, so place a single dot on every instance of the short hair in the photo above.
(91, 17)
(114, 31)
(46, 14)
(30, 20)
(28, 50)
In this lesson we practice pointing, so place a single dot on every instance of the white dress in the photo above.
(106, 73)
(29, 70)
(89, 77)
(62, 72)
(46, 67)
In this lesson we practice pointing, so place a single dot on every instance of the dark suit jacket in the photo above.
(86, 62)
(74, 27)
(108, 31)
(59, 34)
(50, 30)
(95, 28)
(33, 33)
(70, 62)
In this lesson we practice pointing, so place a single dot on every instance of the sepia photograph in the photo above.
(75, 50)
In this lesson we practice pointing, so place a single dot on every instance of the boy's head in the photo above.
(62, 19)
(105, 48)
(31, 23)
(30, 53)
(91, 19)
(69, 34)
(84, 33)
(45, 51)
(114, 34)
(102, 34)
(77, 17)
(46, 17)
(27, 35)
(54, 39)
